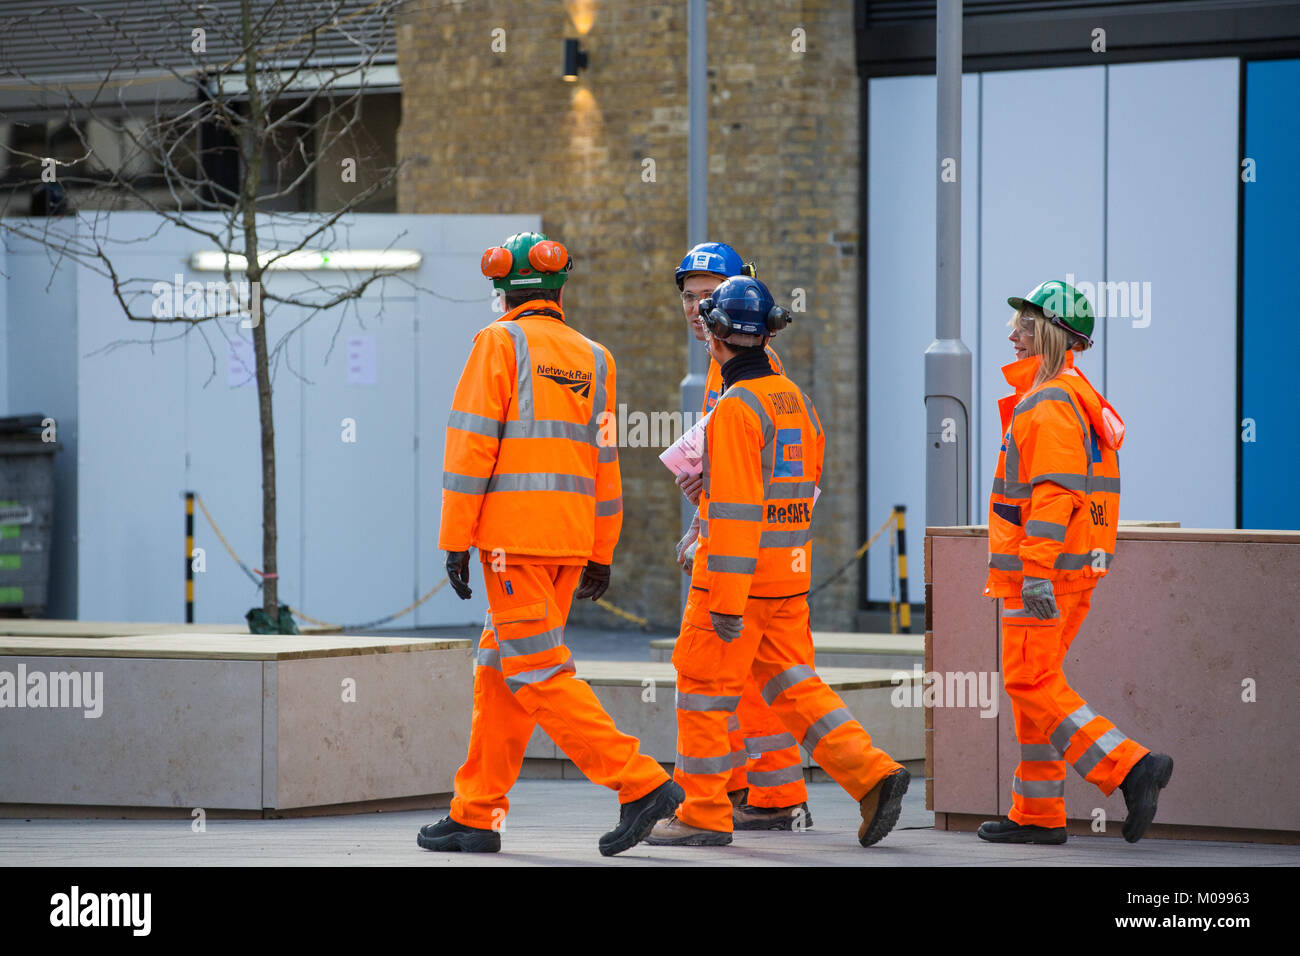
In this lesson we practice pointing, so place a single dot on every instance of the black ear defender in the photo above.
(716, 319)
(749, 269)
(777, 318)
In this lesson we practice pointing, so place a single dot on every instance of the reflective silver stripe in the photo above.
(785, 680)
(785, 539)
(704, 462)
(790, 489)
(1020, 612)
(1045, 529)
(1103, 484)
(1038, 789)
(1099, 751)
(548, 428)
(598, 390)
(1013, 490)
(541, 481)
(1067, 561)
(735, 512)
(699, 702)
(533, 644)
(1039, 752)
(763, 745)
(721, 764)
(1053, 394)
(1011, 463)
(523, 371)
(733, 723)
(466, 484)
(774, 778)
(820, 728)
(613, 506)
(607, 453)
(517, 681)
(478, 424)
(704, 528)
(812, 413)
(487, 657)
(738, 758)
(1070, 726)
(1004, 562)
(731, 564)
(1067, 481)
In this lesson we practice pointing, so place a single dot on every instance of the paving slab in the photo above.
(557, 823)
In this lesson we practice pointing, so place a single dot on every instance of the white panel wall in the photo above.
(155, 421)
(901, 295)
(1041, 218)
(1172, 221)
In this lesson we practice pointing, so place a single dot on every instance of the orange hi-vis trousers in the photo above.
(1054, 725)
(775, 646)
(765, 756)
(524, 676)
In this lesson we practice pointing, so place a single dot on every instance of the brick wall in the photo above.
(494, 132)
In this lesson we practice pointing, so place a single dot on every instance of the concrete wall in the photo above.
(1175, 629)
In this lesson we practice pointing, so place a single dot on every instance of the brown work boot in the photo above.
(881, 806)
(738, 797)
(673, 832)
(797, 817)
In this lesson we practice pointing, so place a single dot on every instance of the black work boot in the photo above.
(1008, 831)
(881, 806)
(447, 835)
(1141, 790)
(637, 819)
(797, 817)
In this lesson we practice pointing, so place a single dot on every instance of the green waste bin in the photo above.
(26, 514)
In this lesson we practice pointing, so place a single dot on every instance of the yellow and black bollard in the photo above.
(189, 557)
(904, 609)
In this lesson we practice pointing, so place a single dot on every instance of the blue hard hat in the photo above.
(715, 257)
(742, 306)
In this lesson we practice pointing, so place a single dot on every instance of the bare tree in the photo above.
(249, 100)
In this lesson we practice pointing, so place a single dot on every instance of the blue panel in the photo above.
(1272, 251)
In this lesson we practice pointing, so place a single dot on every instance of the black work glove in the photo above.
(458, 573)
(595, 579)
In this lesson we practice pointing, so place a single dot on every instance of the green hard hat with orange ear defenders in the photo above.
(527, 260)
(1061, 304)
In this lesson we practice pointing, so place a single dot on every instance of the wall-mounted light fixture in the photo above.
(575, 59)
(311, 260)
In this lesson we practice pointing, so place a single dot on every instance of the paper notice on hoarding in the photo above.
(686, 455)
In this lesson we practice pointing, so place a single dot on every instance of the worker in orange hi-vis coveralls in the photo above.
(530, 481)
(747, 612)
(766, 788)
(1052, 523)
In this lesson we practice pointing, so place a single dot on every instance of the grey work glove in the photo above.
(727, 626)
(1038, 597)
(686, 546)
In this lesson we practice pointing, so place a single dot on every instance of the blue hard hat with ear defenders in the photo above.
(742, 306)
(717, 258)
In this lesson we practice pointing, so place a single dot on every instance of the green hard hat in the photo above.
(527, 260)
(1063, 305)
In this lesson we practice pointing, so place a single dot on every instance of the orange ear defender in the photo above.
(497, 262)
(548, 256)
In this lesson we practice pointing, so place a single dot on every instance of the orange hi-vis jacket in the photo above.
(1055, 501)
(713, 384)
(763, 449)
(528, 466)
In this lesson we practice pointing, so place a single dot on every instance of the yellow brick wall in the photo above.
(500, 132)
